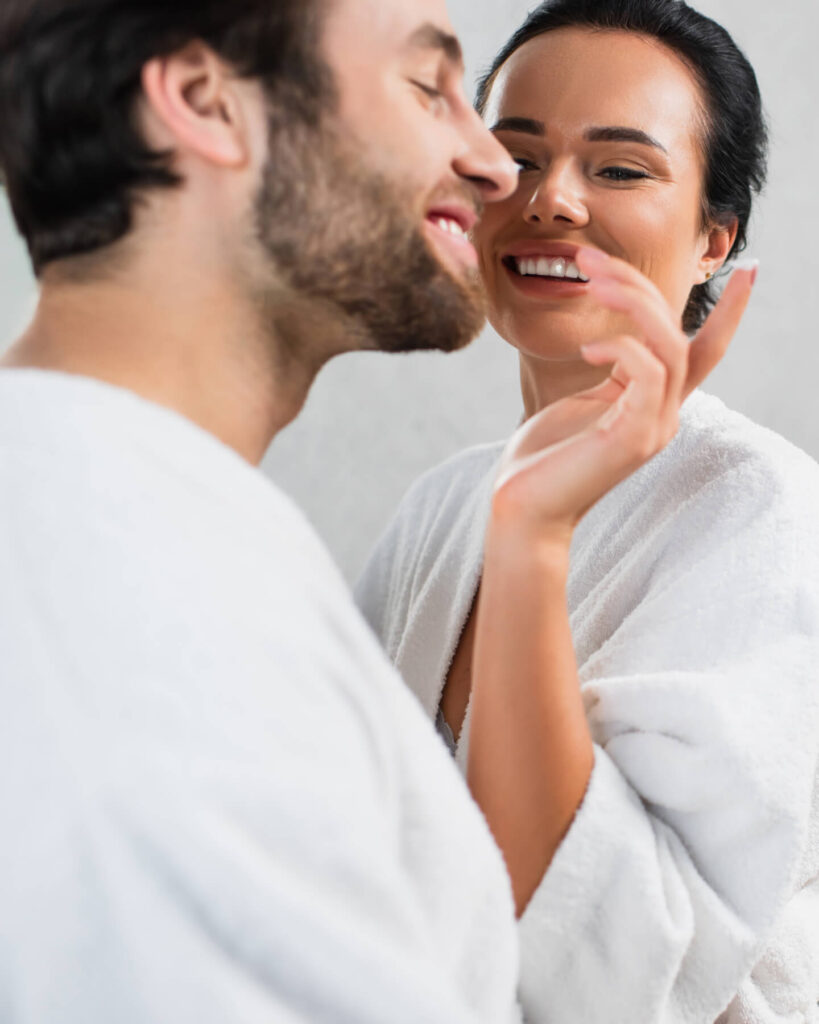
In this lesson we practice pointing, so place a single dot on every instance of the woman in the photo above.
(633, 687)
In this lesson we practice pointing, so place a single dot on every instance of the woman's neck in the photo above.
(545, 381)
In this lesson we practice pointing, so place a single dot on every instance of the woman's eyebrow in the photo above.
(526, 125)
(609, 133)
(617, 133)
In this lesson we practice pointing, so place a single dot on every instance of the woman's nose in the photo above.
(558, 198)
(485, 163)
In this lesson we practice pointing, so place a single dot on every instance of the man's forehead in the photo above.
(391, 24)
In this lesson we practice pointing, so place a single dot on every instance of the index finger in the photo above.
(595, 263)
(711, 344)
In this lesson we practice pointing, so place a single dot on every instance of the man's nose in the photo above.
(486, 163)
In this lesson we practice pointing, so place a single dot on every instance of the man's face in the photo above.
(370, 212)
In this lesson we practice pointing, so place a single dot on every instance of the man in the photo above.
(218, 803)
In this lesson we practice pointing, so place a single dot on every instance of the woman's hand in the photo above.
(569, 455)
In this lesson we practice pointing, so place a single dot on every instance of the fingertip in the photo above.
(591, 258)
(588, 352)
(590, 348)
(596, 352)
(749, 267)
(607, 289)
(737, 292)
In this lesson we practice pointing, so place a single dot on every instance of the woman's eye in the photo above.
(524, 164)
(622, 174)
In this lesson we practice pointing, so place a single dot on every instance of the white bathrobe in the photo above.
(218, 802)
(687, 888)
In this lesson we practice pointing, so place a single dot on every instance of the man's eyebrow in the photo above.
(430, 37)
(617, 133)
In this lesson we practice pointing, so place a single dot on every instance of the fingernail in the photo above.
(748, 264)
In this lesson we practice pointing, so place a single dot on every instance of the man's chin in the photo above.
(475, 310)
(455, 314)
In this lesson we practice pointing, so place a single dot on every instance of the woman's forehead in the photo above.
(575, 78)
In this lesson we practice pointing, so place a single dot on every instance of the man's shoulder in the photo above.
(156, 569)
(121, 470)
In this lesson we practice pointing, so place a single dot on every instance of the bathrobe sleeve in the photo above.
(700, 683)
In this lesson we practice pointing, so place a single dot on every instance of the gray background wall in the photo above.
(373, 423)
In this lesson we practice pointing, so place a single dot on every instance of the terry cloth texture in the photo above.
(218, 801)
(687, 888)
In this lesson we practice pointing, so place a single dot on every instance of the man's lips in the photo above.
(448, 225)
(466, 217)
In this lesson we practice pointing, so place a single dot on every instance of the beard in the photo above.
(347, 240)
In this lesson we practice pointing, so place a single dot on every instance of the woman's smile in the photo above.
(544, 270)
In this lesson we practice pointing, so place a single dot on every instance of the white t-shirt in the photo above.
(218, 802)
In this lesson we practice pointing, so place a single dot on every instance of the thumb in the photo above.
(711, 344)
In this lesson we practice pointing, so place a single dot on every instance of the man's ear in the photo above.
(719, 240)
(193, 105)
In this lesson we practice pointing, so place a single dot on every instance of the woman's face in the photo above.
(607, 128)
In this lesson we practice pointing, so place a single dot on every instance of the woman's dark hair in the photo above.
(72, 158)
(736, 138)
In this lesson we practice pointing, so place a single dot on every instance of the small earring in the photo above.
(708, 275)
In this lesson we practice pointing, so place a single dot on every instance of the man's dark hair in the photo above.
(72, 158)
(736, 137)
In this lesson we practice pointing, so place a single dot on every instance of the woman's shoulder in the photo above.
(447, 485)
(726, 489)
(462, 472)
(718, 454)
(707, 419)
(719, 447)
(717, 532)
(443, 507)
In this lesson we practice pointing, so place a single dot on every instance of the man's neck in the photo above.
(189, 345)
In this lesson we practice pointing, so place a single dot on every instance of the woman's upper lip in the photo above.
(533, 248)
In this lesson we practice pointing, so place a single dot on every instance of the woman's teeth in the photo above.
(452, 227)
(559, 267)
